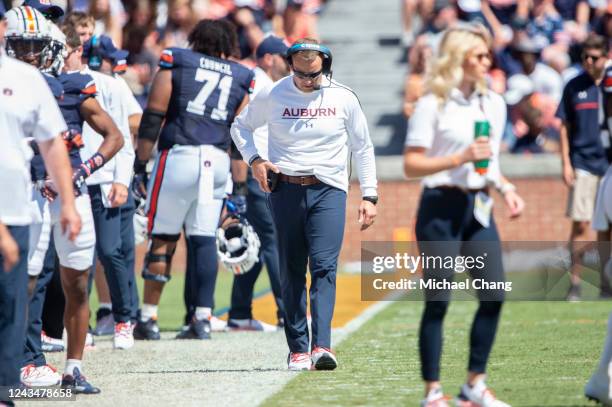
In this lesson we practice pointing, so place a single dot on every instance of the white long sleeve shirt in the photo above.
(310, 133)
(115, 97)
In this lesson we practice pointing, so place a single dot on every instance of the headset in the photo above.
(321, 49)
(94, 59)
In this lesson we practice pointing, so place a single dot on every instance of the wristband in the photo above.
(92, 165)
(252, 159)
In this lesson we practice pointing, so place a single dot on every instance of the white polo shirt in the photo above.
(449, 129)
(310, 133)
(116, 98)
(27, 110)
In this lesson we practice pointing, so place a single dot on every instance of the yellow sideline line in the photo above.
(348, 302)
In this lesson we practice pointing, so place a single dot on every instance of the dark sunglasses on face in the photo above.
(307, 75)
(484, 55)
(586, 57)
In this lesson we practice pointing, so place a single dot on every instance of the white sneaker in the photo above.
(478, 395)
(33, 376)
(598, 389)
(435, 398)
(49, 344)
(124, 337)
(299, 361)
(217, 325)
(250, 325)
(323, 358)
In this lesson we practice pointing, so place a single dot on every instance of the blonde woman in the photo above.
(455, 205)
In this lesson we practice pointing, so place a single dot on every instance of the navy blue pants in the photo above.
(115, 254)
(310, 225)
(13, 309)
(446, 215)
(259, 216)
(33, 347)
(128, 248)
(199, 288)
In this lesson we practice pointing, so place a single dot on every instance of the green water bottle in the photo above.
(481, 129)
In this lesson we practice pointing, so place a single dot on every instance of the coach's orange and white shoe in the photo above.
(299, 361)
(124, 336)
(323, 359)
(478, 395)
(435, 398)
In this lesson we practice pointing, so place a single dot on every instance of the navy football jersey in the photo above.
(78, 87)
(206, 92)
(37, 166)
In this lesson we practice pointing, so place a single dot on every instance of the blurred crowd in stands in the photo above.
(146, 27)
(537, 50)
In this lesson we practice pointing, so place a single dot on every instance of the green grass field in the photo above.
(172, 306)
(544, 353)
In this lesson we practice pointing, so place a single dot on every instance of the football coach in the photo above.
(313, 122)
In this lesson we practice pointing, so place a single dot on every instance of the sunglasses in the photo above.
(484, 55)
(587, 57)
(307, 75)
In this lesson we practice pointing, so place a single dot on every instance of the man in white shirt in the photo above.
(27, 110)
(271, 67)
(109, 188)
(311, 128)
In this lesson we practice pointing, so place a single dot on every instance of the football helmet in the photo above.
(28, 36)
(58, 50)
(237, 244)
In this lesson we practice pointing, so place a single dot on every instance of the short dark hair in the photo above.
(214, 38)
(73, 40)
(595, 42)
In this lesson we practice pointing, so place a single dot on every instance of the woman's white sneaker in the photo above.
(435, 398)
(478, 395)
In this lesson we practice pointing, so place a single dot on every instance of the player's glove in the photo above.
(140, 181)
(237, 203)
(45, 187)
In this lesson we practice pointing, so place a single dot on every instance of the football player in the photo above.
(196, 94)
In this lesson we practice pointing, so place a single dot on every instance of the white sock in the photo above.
(148, 311)
(202, 313)
(71, 364)
(106, 305)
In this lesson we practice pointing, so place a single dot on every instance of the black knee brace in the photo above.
(158, 258)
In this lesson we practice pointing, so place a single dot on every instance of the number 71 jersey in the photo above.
(206, 92)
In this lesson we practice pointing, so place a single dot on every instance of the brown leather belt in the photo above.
(304, 180)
